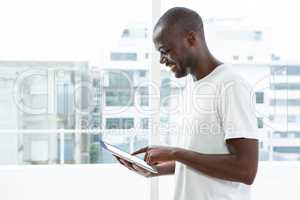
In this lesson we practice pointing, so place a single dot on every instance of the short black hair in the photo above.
(183, 19)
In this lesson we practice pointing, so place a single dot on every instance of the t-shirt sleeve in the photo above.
(237, 110)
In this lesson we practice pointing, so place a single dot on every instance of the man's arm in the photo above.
(239, 165)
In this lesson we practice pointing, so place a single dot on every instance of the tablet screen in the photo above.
(126, 156)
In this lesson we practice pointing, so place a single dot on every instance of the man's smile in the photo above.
(173, 67)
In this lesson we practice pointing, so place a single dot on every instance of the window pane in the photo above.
(107, 91)
(285, 102)
(119, 98)
(260, 122)
(285, 86)
(40, 95)
(259, 97)
(116, 56)
(119, 123)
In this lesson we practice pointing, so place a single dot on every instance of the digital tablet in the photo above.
(126, 156)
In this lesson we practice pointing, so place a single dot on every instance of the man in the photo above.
(218, 158)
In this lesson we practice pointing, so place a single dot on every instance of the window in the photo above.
(292, 70)
(120, 90)
(235, 58)
(117, 56)
(144, 96)
(120, 79)
(238, 34)
(260, 122)
(142, 73)
(279, 86)
(96, 83)
(294, 149)
(146, 55)
(278, 134)
(285, 86)
(261, 145)
(47, 90)
(286, 134)
(96, 123)
(285, 102)
(63, 102)
(165, 91)
(259, 97)
(293, 118)
(275, 57)
(119, 123)
(258, 35)
(145, 123)
(119, 98)
(126, 33)
(278, 70)
(250, 58)
(65, 98)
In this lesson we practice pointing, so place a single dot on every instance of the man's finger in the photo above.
(145, 157)
(137, 168)
(141, 171)
(117, 158)
(148, 159)
(122, 163)
(127, 164)
(142, 150)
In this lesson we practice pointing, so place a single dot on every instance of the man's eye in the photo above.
(165, 51)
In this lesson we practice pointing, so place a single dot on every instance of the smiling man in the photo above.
(217, 153)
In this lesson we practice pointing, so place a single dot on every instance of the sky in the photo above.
(86, 29)
(63, 29)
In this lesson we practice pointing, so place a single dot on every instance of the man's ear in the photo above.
(191, 38)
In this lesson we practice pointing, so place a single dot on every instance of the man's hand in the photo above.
(159, 157)
(156, 154)
(135, 168)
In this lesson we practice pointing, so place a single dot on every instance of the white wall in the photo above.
(73, 182)
(275, 181)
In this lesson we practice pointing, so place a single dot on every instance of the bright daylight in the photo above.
(149, 100)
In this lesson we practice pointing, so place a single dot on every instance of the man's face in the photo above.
(173, 51)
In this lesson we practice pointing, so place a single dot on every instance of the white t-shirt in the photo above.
(215, 108)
